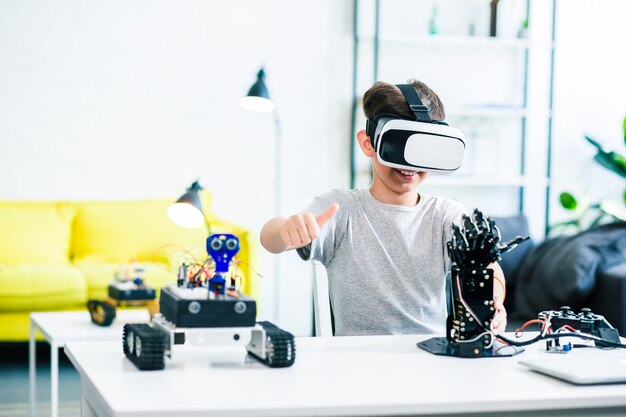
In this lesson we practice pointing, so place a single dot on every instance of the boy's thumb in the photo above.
(327, 215)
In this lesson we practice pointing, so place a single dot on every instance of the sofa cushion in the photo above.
(125, 231)
(510, 227)
(100, 274)
(31, 287)
(563, 270)
(34, 233)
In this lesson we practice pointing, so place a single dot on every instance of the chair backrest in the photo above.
(321, 300)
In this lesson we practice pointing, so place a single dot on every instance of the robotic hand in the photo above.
(475, 244)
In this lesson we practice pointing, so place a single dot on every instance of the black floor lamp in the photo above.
(187, 210)
(258, 100)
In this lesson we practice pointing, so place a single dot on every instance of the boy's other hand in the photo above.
(300, 229)
(498, 325)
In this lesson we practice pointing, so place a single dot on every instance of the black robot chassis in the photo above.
(189, 319)
(147, 346)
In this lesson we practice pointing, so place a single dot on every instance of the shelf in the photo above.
(473, 41)
(458, 180)
(478, 41)
(487, 111)
(479, 111)
(443, 180)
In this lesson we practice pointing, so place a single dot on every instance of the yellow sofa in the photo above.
(56, 255)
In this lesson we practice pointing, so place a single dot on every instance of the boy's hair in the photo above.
(387, 98)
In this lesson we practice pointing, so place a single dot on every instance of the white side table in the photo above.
(59, 328)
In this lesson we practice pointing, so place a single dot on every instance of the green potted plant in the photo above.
(586, 213)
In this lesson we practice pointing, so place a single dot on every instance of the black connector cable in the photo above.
(557, 336)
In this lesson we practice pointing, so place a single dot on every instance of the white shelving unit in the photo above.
(485, 181)
(497, 90)
(474, 41)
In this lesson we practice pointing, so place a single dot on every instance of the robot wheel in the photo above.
(144, 346)
(280, 346)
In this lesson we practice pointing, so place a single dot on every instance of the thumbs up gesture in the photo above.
(300, 229)
(281, 234)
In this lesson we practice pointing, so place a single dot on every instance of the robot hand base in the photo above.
(441, 346)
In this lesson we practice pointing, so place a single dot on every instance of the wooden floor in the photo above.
(14, 391)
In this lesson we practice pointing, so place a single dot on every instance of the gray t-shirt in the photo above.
(386, 264)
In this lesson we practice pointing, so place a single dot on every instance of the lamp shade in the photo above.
(187, 210)
(258, 97)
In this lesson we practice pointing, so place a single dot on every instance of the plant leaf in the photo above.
(613, 209)
(612, 161)
(597, 220)
(568, 201)
(624, 125)
(572, 222)
(595, 143)
(564, 225)
(619, 158)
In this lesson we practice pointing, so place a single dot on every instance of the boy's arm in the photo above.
(499, 285)
(271, 235)
(499, 293)
(281, 234)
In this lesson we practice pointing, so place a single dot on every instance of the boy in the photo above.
(384, 247)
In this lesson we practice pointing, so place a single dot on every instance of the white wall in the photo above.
(131, 99)
(589, 98)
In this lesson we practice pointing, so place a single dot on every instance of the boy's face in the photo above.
(399, 181)
(390, 181)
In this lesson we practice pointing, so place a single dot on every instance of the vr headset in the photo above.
(422, 144)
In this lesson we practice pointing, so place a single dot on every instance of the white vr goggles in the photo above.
(420, 145)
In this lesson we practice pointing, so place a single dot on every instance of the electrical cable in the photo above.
(258, 274)
(540, 337)
(520, 331)
(476, 338)
(495, 277)
(467, 307)
(544, 335)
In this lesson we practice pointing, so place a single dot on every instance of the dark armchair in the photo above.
(584, 270)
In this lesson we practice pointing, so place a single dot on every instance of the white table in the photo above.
(59, 328)
(341, 376)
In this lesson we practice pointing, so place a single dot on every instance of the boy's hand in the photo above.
(499, 294)
(498, 325)
(300, 229)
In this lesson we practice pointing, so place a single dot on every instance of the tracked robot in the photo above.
(206, 308)
(128, 289)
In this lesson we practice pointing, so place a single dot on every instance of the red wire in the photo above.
(520, 331)
(503, 287)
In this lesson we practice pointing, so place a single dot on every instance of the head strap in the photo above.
(415, 104)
